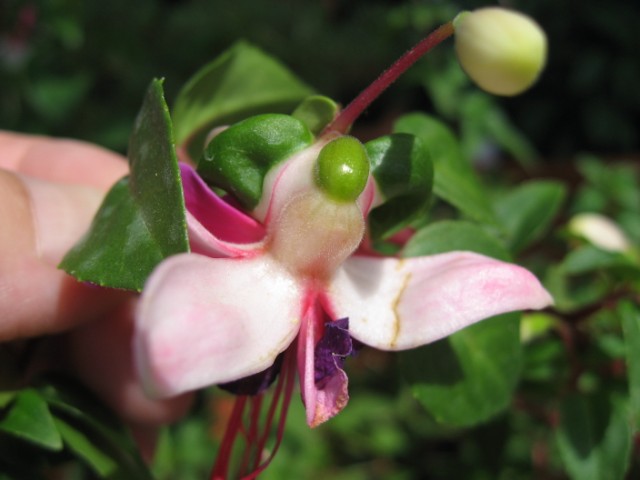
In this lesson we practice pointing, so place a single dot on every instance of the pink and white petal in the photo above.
(370, 196)
(321, 404)
(286, 180)
(225, 222)
(397, 304)
(295, 176)
(202, 241)
(204, 321)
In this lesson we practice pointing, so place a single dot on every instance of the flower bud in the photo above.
(501, 50)
(599, 231)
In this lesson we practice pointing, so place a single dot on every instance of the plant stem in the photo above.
(343, 121)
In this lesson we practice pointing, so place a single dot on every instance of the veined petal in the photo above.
(396, 304)
(204, 321)
(370, 197)
(285, 181)
(222, 219)
(295, 176)
(202, 241)
(327, 398)
(216, 228)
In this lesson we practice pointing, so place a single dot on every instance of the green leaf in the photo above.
(482, 119)
(403, 172)
(572, 292)
(6, 398)
(316, 112)
(54, 97)
(594, 437)
(450, 235)
(242, 81)
(537, 324)
(78, 442)
(590, 259)
(526, 212)
(454, 179)
(142, 220)
(29, 418)
(618, 184)
(238, 159)
(630, 314)
(93, 432)
(469, 376)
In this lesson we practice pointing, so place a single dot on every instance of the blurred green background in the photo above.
(79, 69)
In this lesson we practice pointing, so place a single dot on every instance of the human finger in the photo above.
(39, 222)
(100, 354)
(60, 160)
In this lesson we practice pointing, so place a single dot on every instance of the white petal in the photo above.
(399, 304)
(204, 321)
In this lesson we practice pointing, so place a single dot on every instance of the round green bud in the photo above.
(501, 50)
(342, 169)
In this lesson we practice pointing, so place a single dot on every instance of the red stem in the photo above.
(342, 123)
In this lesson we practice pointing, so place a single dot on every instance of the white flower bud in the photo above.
(501, 50)
(600, 231)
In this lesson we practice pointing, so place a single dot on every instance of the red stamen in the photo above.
(252, 435)
(269, 420)
(255, 436)
(221, 467)
(343, 121)
(288, 375)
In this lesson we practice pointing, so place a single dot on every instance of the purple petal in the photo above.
(327, 398)
(332, 350)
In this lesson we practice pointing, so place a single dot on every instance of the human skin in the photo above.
(49, 192)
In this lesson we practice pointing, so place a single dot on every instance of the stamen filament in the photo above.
(221, 467)
(288, 376)
(254, 440)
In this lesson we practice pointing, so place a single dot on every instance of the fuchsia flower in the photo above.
(283, 283)
(282, 278)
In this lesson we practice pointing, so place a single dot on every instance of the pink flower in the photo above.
(257, 286)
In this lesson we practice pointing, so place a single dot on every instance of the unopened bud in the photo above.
(501, 50)
(599, 231)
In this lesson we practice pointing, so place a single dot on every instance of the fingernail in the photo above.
(62, 214)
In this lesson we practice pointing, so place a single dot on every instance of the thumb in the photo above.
(60, 215)
(40, 222)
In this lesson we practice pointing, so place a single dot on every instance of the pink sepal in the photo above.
(219, 216)
(204, 321)
(397, 304)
